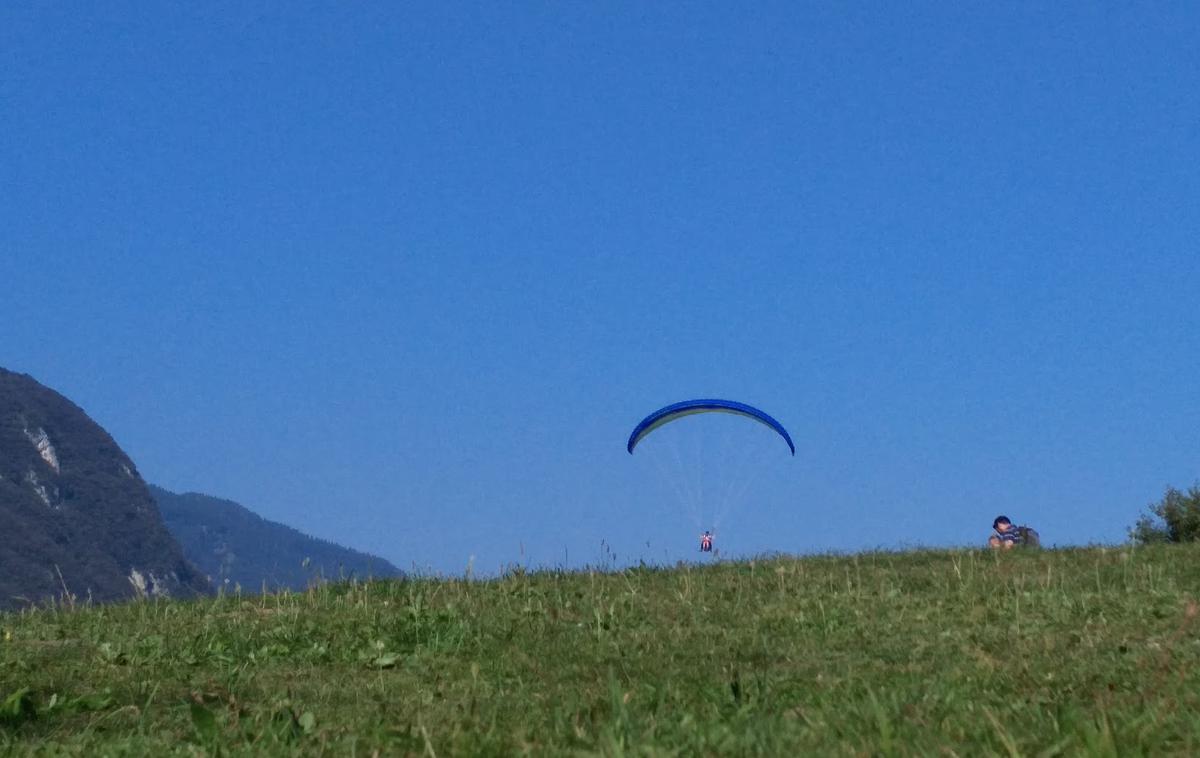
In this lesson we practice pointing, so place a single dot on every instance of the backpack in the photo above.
(1029, 536)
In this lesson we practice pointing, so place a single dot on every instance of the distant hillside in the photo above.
(229, 542)
(75, 516)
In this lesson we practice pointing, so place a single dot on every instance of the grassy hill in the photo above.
(922, 653)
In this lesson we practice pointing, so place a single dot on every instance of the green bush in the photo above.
(1175, 518)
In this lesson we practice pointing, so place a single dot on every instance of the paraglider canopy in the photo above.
(688, 407)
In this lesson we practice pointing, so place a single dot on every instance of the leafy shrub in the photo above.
(1175, 518)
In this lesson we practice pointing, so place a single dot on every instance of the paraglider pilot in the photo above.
(706, 541)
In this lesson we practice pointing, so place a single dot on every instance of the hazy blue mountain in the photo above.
(76, 519)
(236, 547)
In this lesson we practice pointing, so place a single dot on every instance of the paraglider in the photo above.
(689, 407)
(710, 480)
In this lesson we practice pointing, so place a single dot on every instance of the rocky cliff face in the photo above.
(76, 519)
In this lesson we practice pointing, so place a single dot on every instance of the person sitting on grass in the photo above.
(1008, 536)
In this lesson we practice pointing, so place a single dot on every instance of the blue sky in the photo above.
(405, 276)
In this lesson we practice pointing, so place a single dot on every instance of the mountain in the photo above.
(238, 548)
(76, 519)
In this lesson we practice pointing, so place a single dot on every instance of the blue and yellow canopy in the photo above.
(688, 407)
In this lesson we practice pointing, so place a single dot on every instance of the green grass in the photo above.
(1091, 651)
